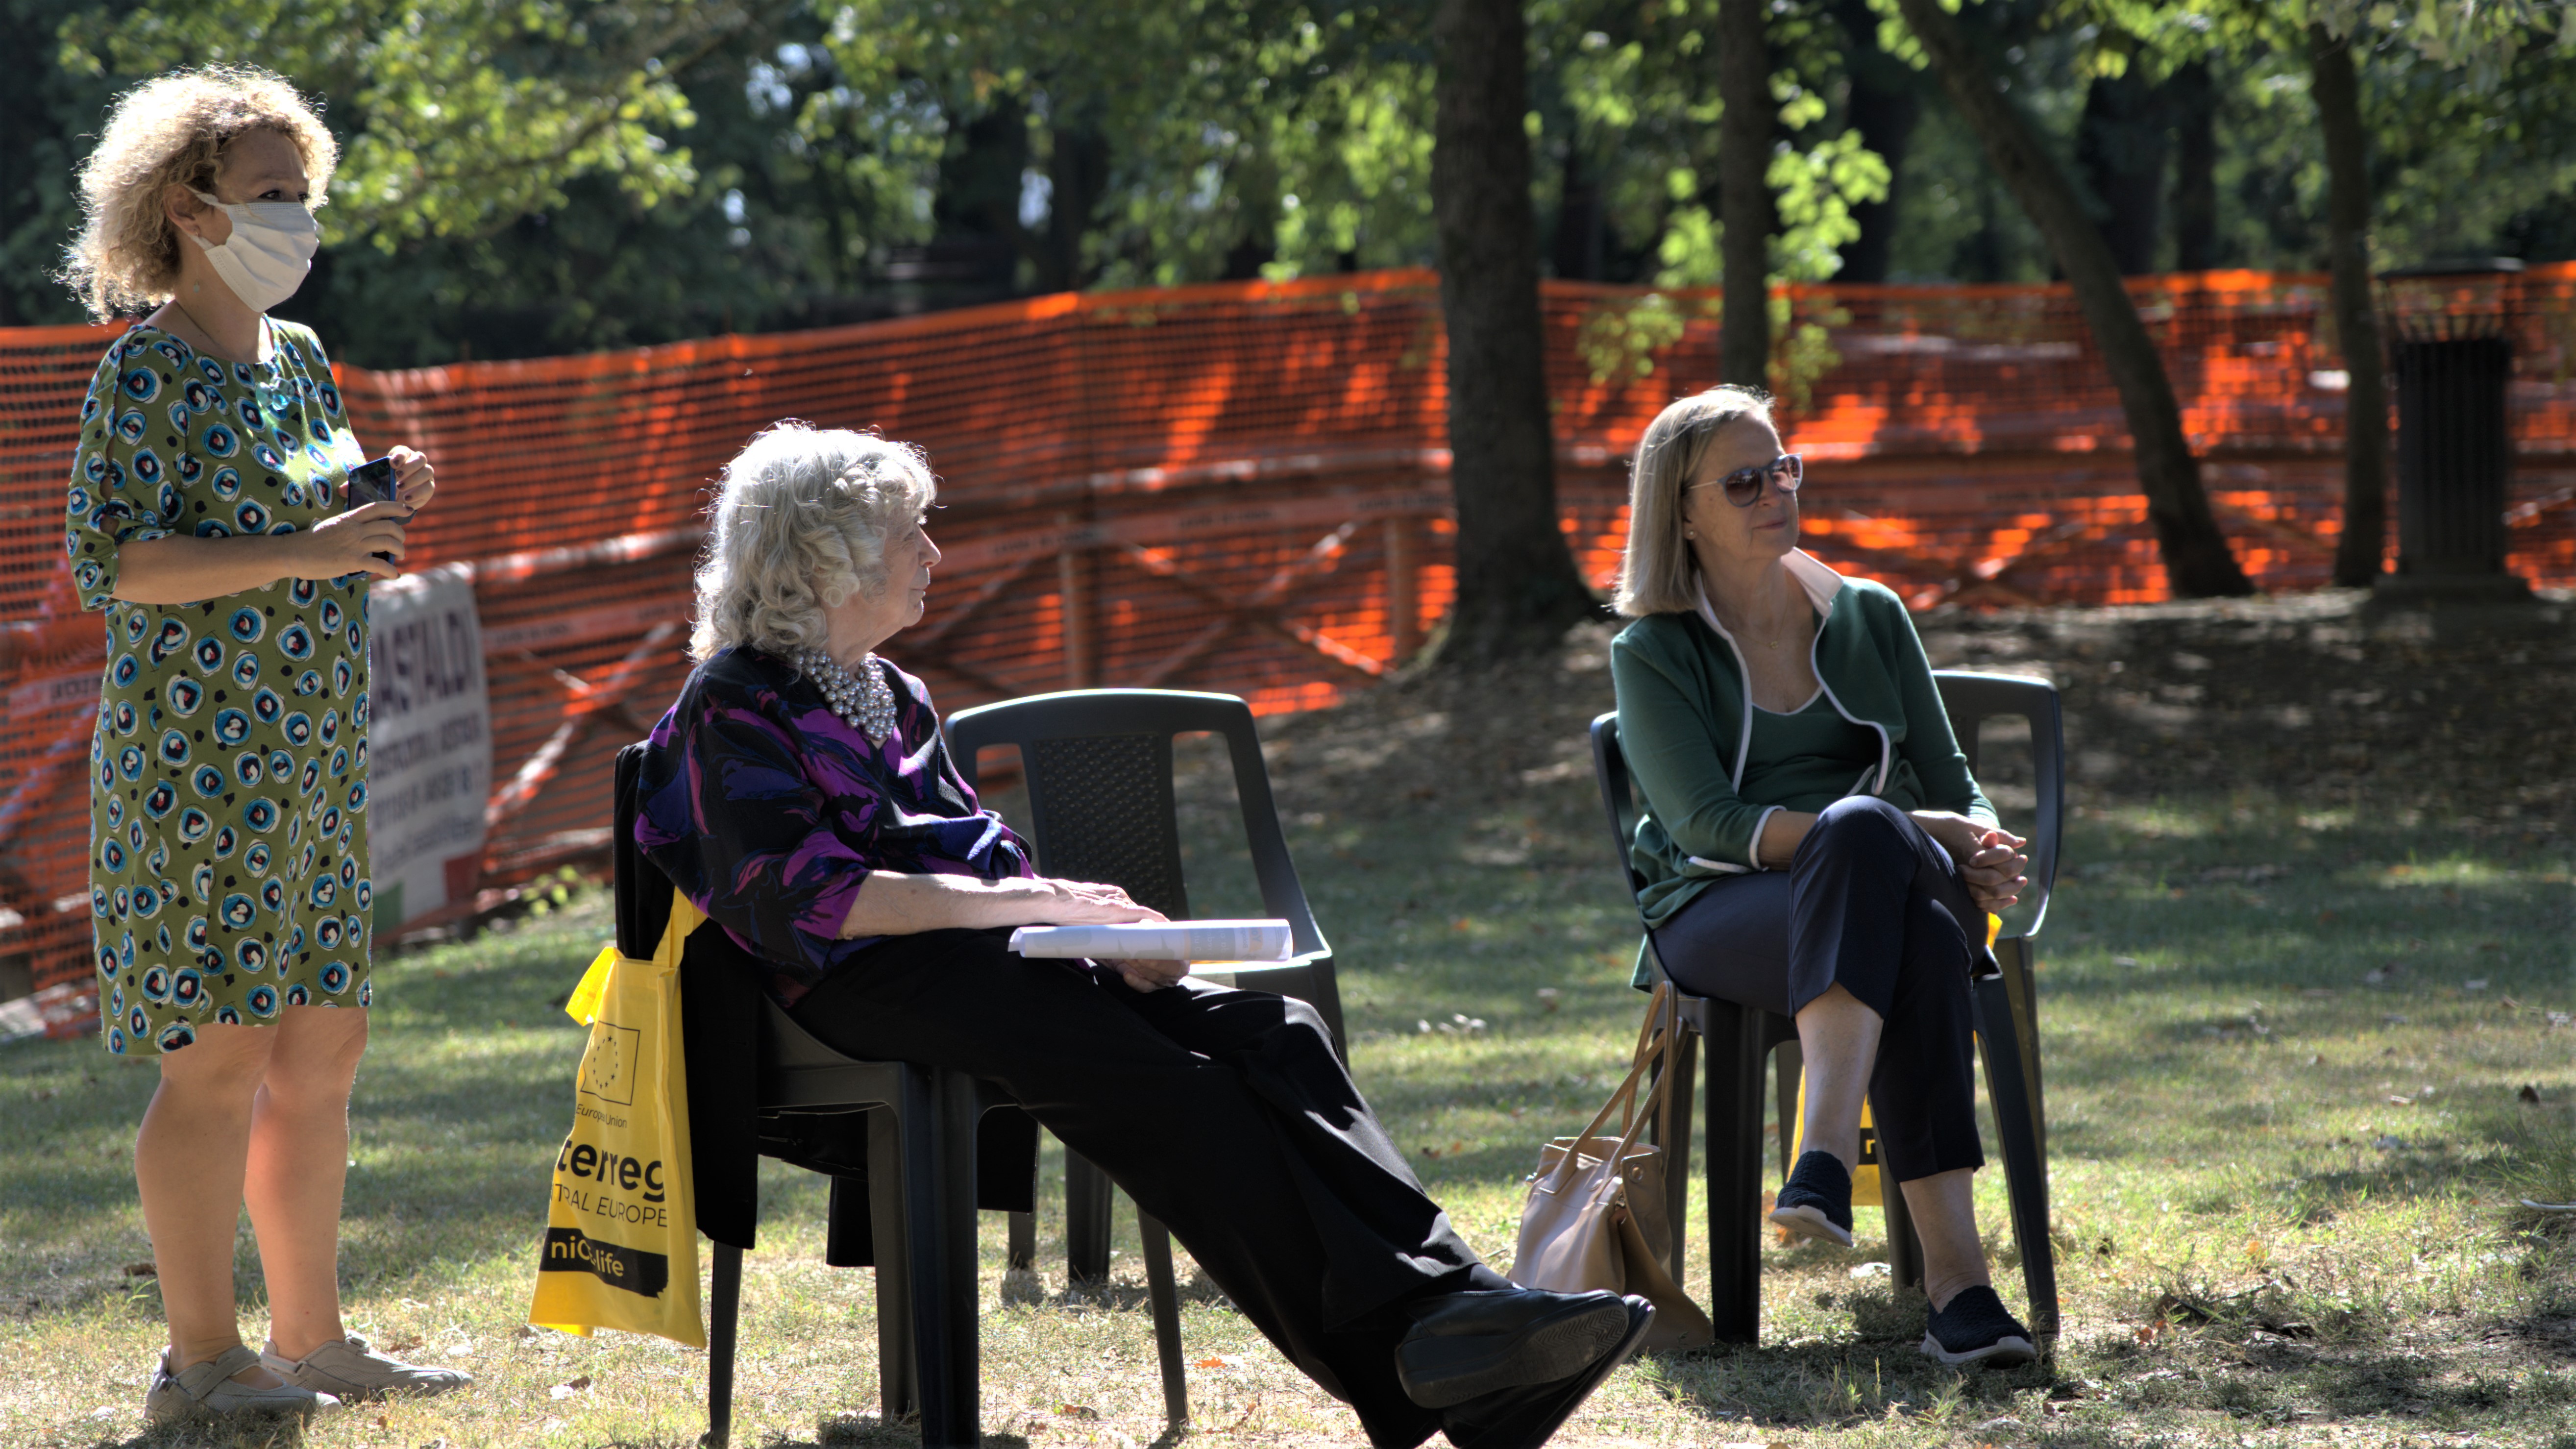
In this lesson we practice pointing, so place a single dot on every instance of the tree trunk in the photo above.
(1517, 585)
(1077, 177)
(2120, 148)
(2365, 400)
(1744, 191)
(1582, 221)
(2196, 558)
(1886, 102)
(2193, 102)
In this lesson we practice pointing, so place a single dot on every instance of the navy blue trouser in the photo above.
(1874, 905)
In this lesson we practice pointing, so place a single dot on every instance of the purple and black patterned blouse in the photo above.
(768, 810)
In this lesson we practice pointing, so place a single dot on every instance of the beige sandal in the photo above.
(207, 1389)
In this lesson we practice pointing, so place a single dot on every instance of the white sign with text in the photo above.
(429, 743)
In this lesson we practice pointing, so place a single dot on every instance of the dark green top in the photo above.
(1686, 725)
(1808, 758)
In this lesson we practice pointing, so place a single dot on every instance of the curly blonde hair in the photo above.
(1655, 572)
(800, 524)
(172, 129)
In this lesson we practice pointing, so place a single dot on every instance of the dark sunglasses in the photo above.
(1744, 485)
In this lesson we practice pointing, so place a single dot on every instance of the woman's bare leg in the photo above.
(1839, 1037)
(1945, 1222)
(189, 1160)
(298, 1163)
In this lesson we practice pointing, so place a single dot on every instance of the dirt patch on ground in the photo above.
(2317, 698)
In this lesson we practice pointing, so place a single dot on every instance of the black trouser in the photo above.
(1225, 1114)
(1872, 904)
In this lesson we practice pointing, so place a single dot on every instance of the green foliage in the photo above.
(552, 175)
(462, 115)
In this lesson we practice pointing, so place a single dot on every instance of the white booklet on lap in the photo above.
(1160, 941)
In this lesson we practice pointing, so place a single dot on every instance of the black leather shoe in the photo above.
(1463, 1345)
(1527, 1415)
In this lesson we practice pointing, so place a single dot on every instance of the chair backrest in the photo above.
(1098, 763)
(1970, 700)
(643, 892)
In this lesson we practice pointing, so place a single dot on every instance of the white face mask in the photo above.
(269, 252)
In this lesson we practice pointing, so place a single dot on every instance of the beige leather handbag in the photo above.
(1595, 1216)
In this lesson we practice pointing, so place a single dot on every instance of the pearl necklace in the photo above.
(862, 699)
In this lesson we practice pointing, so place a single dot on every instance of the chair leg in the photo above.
(1904, 1250)
(1677, 1152)
(724, 1312)
(939, 1202)
(1789, 1063)
(2025, 1172)
(1165, 1295)
(1024, 1240)
(1734, 1135)
(1086, 1220)
(898, 1373)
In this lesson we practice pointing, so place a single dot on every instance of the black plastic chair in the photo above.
(1741, 1038)
(1098, 766)
(904, 1194)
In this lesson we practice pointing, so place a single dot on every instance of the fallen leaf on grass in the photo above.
(145, 1269)
(1077, 1411)
(569, 1388)
(2396, 1101)
(2529, 1094)
(1213, 1361)
(401, 1345)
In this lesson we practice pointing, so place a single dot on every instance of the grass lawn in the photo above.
(2286, 1050)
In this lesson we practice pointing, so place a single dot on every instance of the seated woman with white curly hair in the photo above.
(800, 794)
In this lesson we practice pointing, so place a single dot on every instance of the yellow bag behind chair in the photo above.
(621, 1245)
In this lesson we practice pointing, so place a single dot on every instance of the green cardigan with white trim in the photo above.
(1686, 718)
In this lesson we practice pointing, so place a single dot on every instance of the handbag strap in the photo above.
(1656, 1044)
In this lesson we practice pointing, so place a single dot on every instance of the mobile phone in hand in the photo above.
(372, 482)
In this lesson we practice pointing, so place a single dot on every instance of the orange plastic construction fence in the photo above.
(1240, 487)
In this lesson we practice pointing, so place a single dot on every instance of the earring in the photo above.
(1690, 533)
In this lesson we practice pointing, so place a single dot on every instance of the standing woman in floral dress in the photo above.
(228, 774)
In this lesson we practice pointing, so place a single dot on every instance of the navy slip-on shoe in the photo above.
(1977, 1328)
(1526, 1417)
(1465, 1345)
(1816, 1201)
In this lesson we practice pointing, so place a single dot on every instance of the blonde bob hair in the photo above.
(1655, 575)
(172, 130)
(801, 521)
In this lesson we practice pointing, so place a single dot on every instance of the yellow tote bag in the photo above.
(621, 1245)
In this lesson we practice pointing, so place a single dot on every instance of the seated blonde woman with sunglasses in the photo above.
(1812, 841)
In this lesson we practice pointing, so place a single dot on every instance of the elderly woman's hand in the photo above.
(1086, 903)
(1149, 975)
